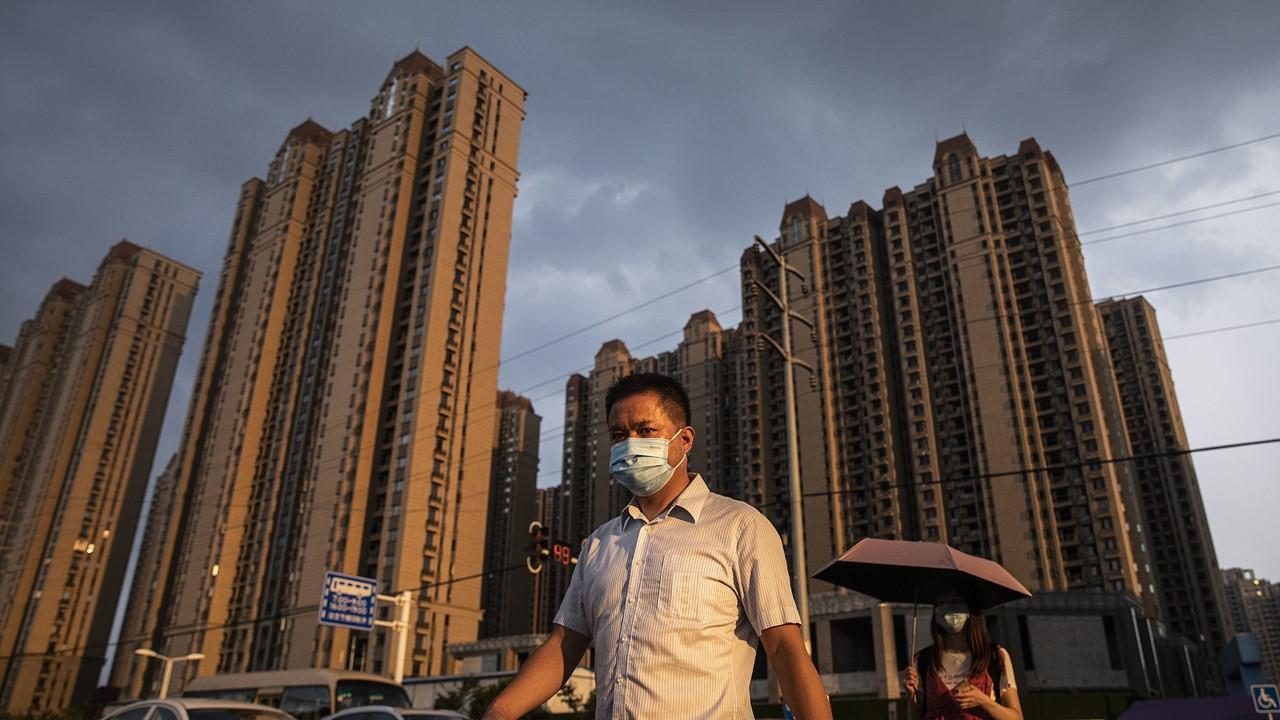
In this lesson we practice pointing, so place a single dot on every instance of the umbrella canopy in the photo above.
(908, 571)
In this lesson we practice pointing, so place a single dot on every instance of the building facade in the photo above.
(343, 415)
(513, 506)
(142, 610)
(90, 377)
(1185, 565)
(5, 353)
(1253, 606)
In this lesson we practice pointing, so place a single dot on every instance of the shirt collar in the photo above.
(689, 503)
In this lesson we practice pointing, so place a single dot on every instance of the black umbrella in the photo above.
(905, 571)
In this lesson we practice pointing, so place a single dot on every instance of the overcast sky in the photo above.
(661, 137)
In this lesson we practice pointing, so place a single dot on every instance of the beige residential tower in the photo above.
(81, 414)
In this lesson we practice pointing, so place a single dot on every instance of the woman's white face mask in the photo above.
(951, 617)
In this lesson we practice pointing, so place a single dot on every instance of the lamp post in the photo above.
(168, 665)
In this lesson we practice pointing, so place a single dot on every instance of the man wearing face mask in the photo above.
(675, 591)
(966, 676)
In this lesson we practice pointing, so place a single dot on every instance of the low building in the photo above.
(1094, 651)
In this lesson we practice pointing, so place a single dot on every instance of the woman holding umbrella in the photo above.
(962, 675)
(965, 674)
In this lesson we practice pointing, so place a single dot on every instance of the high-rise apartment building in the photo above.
(343, 414)
(32, 367)
(1253, 606)
(143, 610)
(513, 505)
(960, 381)
(89, 381)
(1185, 565)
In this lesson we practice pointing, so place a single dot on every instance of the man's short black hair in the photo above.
(671, 394)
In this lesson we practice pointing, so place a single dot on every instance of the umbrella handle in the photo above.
(911, 649)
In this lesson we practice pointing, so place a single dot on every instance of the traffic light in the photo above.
(538, 548)
(541, 547)
(563, 553)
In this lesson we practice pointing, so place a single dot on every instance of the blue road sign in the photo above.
(348, 601)
(1266, 698)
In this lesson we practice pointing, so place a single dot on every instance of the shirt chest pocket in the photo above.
(691, 589)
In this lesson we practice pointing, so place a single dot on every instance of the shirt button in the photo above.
(630, 600)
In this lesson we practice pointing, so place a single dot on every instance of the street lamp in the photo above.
(168, 665)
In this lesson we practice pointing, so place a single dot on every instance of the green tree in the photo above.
(456, 699)
(581, 708)
(472, 698)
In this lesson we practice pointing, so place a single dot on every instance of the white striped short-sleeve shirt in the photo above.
(673, 606)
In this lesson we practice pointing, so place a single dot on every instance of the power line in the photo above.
(1171, 161)
(1193, 221)
(1199, 281)
(1212, 331)
(1166, 216)
(611, 318)
(1042, 469)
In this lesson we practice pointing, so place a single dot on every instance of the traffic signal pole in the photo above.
(400, 626)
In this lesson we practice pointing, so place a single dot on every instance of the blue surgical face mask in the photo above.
(640, 464)
(951, 617)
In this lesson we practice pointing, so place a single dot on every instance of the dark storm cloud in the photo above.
(660, 138)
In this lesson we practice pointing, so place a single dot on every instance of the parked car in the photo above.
(183, 708)
(386, 712)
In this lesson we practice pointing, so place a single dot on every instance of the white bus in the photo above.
(306, 694)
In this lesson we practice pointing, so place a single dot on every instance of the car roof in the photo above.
(360, 708)
(394, 711)
(198, 703)
(270, 678)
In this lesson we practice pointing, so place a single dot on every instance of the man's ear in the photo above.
(689, 433)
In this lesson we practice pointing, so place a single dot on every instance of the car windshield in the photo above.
(235, 714)
(358, 693)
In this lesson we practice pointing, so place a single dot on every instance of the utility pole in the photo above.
(168, 665)
(801, 580)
